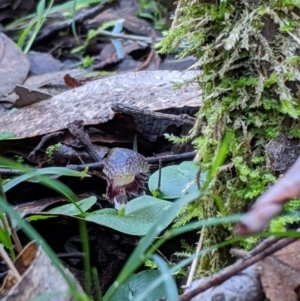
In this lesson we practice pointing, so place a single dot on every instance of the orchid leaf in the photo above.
(140, 214)
(138, 283)
(176, 180)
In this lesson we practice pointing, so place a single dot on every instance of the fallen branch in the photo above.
(264, 249)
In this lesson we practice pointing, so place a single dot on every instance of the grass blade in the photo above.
(169, 281)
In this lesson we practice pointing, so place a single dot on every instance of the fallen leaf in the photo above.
(92, 102)
(54, 78)
(109, 53)
(39, 277)
(280, 274)
(72, 82)
(28, 96)
(14, 65)
(43, 63)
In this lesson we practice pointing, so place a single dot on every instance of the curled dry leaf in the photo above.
(72, 82)
(39, 277)
(271, 203)
(280, 274)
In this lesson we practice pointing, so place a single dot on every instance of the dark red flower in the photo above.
(125, 172)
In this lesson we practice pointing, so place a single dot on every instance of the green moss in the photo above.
(50, 151)
(248, 53)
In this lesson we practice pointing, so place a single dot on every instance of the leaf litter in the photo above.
(92, 101)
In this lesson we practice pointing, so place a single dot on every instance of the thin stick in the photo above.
(237, 267)
(9, 263)
(43, 141)
(159, 174)
(14, 236)
(195, 261)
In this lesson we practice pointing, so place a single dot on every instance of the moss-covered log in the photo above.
(250, 58)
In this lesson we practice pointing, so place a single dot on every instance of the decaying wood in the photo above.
(127, 109)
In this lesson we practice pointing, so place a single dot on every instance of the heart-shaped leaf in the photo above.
(176, 180)
(71, 209)
(140, 214)
(172, 182)
(136, 284)
(188, 169)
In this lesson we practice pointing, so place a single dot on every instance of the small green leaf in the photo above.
(140, 214)
(136, 284)
(70, 209)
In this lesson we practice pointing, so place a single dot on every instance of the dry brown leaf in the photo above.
(92, 102)
(9, 281)
(109, 53)
(43, 63)
(55, 78)
(39, 277)
(280, 274)
(14, 65)
(72, 82)
(28, 96)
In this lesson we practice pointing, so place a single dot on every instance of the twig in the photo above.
(127, 109)
(43, 141)
(99, 165)
(265, 249)
(150, 160)
(90, 166)
(14, 236)
(195, 261)
(159, 175)
(171, 158)
(76, 128)
(9, 263)
(71, 255)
